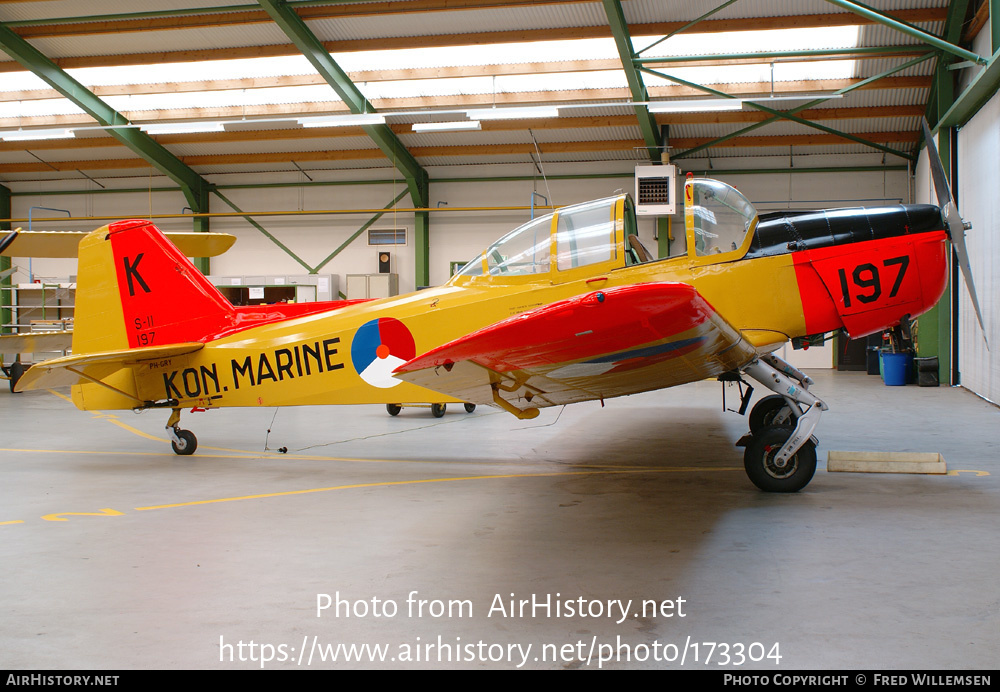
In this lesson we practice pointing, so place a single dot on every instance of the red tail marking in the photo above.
(165, 299)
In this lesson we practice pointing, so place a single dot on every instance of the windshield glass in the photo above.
(719, 215)
(525, 250)
(586, 234)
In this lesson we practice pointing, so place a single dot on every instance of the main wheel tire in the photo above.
(758, 460)
(764, 412)
(15, 371)
(188, 444)
(437, 410)
(469, 408)
(393, 409)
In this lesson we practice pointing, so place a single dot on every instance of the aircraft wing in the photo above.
(63, 372)
(35, 342)
(607, 343)
(66, 243)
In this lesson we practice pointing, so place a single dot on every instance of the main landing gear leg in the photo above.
(781, 456)
(183, 441)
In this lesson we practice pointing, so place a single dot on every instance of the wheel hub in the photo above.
(775, 468)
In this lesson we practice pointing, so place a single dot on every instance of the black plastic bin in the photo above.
(873, 364)
(927, 371)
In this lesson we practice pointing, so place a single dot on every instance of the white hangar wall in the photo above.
(455, 236)
(979, 202)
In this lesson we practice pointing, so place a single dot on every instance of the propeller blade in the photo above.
(7, 240)
(956, 226)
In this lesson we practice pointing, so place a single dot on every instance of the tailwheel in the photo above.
(767, 473)
(469, 408)
(437, 410)
(393, 409)
(771, 410)
(185, 443)
(14, 372)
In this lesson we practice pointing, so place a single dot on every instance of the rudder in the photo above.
(135, 289)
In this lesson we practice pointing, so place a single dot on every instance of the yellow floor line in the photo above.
(419, 481)
(61, 396)
(136, 454)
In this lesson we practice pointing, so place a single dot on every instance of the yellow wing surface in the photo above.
(65, 244)
(36, 342)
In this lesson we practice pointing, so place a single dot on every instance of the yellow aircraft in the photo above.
(568, 307)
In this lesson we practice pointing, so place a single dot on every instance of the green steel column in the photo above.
(995, 24)
(663, 236)
(135, 139)
(917, 33)
(422, 236)
(312, 48)
(647, 124)
(5, 283)
(422, 240)
(198, 200)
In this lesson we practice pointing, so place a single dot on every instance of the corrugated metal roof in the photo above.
(172, 40)
(10, 12)
(368, 34)
(523, 17)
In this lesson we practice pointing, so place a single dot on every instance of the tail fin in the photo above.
(136, 289)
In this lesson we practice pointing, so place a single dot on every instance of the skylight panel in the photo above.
(748, 42)
(193, 71)
(488, 54)
(563, 81)
(739, 74)
(223, 98)
(751, 41)
(29, 109)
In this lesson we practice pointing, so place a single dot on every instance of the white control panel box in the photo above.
(656, 190)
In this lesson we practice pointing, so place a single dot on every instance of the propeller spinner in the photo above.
(956, 226)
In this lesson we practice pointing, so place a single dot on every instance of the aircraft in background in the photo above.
(568, 307)
(64, 244)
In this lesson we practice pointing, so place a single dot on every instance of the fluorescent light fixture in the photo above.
(456, 126)
(343, 120)
(181, 128)
(695, 106)
(513, 113)
(21, 135)
(795, 97)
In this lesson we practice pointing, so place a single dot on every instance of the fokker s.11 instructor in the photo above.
(568, 307)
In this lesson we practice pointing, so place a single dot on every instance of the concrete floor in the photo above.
(162, 559)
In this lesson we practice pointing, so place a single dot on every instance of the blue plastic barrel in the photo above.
(894, 369)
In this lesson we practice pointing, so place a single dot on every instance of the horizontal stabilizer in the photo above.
(35, 342)
(64, 244)
(608, 343)
(90, 367)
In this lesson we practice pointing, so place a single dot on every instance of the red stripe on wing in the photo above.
(593, 324)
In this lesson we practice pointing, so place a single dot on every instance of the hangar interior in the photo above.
(325, 135)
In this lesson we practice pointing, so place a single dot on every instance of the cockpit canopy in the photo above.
(583, 235)
(601, 236)
(717, 216)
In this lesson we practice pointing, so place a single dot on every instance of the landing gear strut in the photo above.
(183, 441)
(780, 454)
